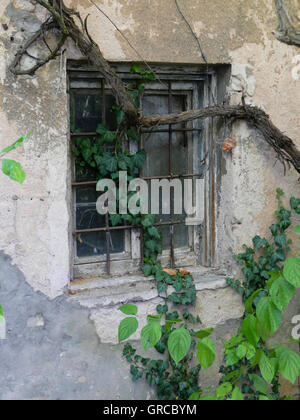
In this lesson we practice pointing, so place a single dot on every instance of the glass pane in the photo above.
(88, 111)
(157, 148)
(94, 243)
(110, 116)
(180, 154)
(87, 217)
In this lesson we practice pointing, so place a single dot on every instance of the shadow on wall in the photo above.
(52, 350)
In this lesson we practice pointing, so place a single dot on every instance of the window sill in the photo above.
(112, 291)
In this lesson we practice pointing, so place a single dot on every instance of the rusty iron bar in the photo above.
(111, 228)
(172, 244)
(145, 178)
(174, 130)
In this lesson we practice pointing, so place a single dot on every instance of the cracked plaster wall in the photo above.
(35, 218)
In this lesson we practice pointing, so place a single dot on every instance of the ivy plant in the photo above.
(183, 347)
(11, 168)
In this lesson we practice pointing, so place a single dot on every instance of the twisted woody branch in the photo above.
(62, 18)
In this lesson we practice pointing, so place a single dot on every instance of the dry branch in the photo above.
(283, 145)
(62, 17)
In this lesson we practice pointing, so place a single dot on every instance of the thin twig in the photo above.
(192, 31)
(199, 45)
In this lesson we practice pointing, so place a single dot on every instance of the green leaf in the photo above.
(274, 275)
(289, 363)
(258, 243)
(232, 358)
(206, 352)
(250, 300)
(224, 390)
(151, 334)
(237, 395)
(147, 269)
(133, 134)
(259, 384)
(149, 220)
(249, 329)
(115, 219)
(139, 159)
(297, 229)
(179, 344)
(195, 396)
(101, 129)
(14, 170)
(266, 368)
(204, 333)
(241, 351)
(282, 293)
(268, 315)
(127, 327)
(291, 271)
(154, 232)
(129, 309)
(1, 314)
(15, 145)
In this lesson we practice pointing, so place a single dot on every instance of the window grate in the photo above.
(79, 81)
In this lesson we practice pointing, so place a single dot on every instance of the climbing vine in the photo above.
(184, 347)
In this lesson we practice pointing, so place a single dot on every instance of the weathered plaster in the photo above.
(35, 218)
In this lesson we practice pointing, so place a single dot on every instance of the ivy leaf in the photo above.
(266, 368)
(101, 129)
(179, 344)
(147, 269)
(259, 384)
(249, 329)
(289, 363)
(282, 293)
(280, 240)
(297, 229)
(268, 315)
(14, 170)
(154, 232)
(128, 309)
(258, 243)
(115, 219)
(133, 134)
(139, 159)
(127, 327)
(206, 352)
(291, 271)
(151, 334)
(148, 220)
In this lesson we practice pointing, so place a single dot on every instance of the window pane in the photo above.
(157, 148)
(88, 111)
(87, 217)
(94, 243)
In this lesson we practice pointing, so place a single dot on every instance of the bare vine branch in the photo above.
(62, 18)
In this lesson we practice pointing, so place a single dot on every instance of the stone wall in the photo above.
(57, 345)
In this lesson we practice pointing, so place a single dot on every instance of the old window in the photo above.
(173, 152)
